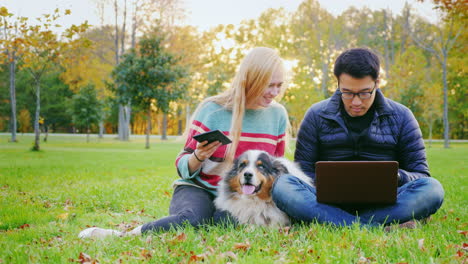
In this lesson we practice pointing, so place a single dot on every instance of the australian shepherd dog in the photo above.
(245, 190)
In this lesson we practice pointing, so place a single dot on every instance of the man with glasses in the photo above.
(359, 123)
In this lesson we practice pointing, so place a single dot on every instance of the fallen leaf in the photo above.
(149, 239)
(146, 254)
(24, 226)
(242, 246)
(363, 260)
(229, 254)
(86, 259)
(211, 250)
(463, 232)
(180, 238)
(166, 193)
(63, 216)
(285, 230)
(195, 258)
(421, 244)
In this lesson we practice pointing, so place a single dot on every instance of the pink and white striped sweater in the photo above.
(262, 129)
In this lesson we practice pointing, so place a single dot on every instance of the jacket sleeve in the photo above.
(411, 151)
(307, 144)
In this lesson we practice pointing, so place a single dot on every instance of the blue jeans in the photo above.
(415, 200)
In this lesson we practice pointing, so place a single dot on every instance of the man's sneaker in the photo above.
(406, 225)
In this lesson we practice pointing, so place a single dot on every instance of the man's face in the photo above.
(357, 106)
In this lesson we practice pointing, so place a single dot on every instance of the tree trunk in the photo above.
(124, 122)
(101, 129)
(187, 116)
(46, 131)
(37, 131)
(121, 123)
(13, 97)
(128, 113)
(148, 129)
(124, 23)
(116, 40)
(164, 127)
(444, 78)
(134, 24)
(87, 133)
(179, 121)
(430, 133)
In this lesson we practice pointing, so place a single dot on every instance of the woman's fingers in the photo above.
(205, 150)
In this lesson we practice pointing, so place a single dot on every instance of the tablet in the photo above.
(211, 136)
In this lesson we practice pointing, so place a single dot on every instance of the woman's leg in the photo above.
(190, 205)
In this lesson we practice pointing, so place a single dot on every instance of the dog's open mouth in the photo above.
(250, 189)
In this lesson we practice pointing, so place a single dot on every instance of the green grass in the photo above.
(48, 197)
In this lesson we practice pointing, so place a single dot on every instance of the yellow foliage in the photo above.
(24, 121)
(4, 12)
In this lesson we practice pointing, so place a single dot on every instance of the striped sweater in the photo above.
(262, 129)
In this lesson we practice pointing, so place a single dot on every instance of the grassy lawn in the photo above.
(48, 197)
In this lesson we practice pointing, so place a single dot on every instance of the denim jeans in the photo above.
(415, 200)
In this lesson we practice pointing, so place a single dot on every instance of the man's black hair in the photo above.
(358, 63)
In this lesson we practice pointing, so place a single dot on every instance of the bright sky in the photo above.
(208, 13)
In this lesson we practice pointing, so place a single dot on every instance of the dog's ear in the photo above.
(235, 167)
(279, 168)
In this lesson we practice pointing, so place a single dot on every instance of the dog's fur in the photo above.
(245, 191)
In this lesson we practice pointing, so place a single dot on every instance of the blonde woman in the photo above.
(249, 115)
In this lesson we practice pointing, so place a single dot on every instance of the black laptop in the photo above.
(356, 182)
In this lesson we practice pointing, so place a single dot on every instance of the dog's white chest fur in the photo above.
(252, 210)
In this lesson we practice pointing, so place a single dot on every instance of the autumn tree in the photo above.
(91, 64)
(42, 50)
(150, 78)
(131, 18)
(453, 14)
(10, 42)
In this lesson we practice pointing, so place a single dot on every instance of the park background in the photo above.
(59, 75)
(64, 78)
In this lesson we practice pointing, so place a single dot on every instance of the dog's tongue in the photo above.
(248, 189)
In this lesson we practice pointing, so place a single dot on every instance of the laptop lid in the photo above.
(356, 182)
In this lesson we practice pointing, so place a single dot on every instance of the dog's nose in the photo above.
(248, 175)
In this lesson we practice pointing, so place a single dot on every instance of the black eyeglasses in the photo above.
(361, 95)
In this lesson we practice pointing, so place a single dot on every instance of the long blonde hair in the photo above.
(249, 84)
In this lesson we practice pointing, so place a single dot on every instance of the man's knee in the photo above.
(435, 191)
(282, 186)
(430, 196)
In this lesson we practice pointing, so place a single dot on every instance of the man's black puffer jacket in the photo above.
(394, 134)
